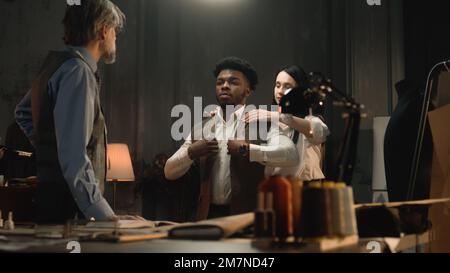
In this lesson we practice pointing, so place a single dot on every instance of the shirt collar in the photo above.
(238, 112)
(87, 56)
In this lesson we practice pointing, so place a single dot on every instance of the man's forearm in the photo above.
(100, 211)
(300, 125)
(278, 154)
(178, 165)
(74, 115)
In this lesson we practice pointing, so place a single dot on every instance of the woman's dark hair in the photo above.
(238, 64)
(298, 74)
(302, 80)
(300, 106)
(83, 22)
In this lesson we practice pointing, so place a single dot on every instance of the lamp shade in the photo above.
(119, 167)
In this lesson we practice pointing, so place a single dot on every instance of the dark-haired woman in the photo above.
(307, 129)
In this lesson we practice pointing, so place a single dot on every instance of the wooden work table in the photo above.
(223, 246)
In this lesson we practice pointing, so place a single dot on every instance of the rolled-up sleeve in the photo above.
(319, 129)
(180, 163)
(24, 117)
(74, 118)
(280, 151)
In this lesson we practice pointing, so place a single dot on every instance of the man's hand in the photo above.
(203, 148)
(234, 147)
(260, 115)
(126, 217)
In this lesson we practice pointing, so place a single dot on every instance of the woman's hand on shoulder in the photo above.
(260, 115)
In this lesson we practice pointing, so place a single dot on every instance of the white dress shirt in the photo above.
(309, 153)
(221, 180)
(279, 151)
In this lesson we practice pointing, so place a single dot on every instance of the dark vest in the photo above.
(245, 178)
(54, 201)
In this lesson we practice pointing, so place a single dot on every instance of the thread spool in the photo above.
(313, 213)
(327, 211)
(9, 224)
(345, 219)
(297, 192)
(270, 215)
(260, 217)
(282, 204)
(351, 227)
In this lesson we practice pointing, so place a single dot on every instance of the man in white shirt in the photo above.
(230, 167)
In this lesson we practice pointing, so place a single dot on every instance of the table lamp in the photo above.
(119, 167)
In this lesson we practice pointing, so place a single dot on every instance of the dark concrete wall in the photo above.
(27, 30)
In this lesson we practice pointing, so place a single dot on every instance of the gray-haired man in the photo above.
(63, 117)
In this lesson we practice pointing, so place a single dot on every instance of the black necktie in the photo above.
(99, 80)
